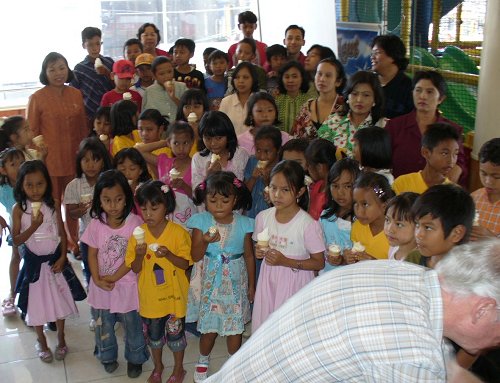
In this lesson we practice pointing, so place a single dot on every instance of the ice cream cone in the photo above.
(139, 234)
(35, 208)
(38, 140)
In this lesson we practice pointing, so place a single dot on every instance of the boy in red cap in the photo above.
(123, 72)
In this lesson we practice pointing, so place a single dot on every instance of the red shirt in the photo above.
(260, 57)
(113, 97)
(317, 199)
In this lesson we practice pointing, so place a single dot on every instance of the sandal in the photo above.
(173, 378)
(45, 356)
(155, 377)
(61, 352)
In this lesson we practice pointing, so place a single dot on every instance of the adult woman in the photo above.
(329, 80)
(363, 108)
(150, 37)
(429, 90)
(389, 62)
(56, 111)
(293, 88)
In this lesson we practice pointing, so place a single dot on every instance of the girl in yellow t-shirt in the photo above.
(160, 252)
(124, 125)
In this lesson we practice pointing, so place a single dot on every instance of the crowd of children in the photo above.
(204, 210)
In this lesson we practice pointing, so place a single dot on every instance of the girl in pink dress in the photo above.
(39, 232)
(295, 247)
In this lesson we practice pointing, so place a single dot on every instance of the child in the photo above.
(216, 83)
(222, 239)
(123, 72)
(92, 76)
(440, 146)
(15, 132)
(262, 111)
(293, 87)
(132, 49)
(247, 24)
(10, 161)
(295, 248)
(38, 230)
(399, 228)
(133, 166)
(443, 217)
(294, 41)
(267, 143)
(143, 72)
(218, 147)
(337, 218)
(206, 53)
(184, 72)
(320, 158)
(487, 199)
(193, 101)
(102, 126)
(295, 150)
(244, 82)
(92, 159)
(114, 299)
(164, 94)
(372, 149)
(276, 57)
(123, 117)
(163, 285)
(371, 194)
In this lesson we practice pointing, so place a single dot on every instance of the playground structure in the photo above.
(456, 60)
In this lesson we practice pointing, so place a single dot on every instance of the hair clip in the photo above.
(237, 182)
(379, 192)
(165, 189)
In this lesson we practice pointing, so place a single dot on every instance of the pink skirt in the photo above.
(49, 298)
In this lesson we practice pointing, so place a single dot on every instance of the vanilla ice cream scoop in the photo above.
(263, 238)
(192, 117)
(334, 250)
(139, 234)
(174, 173)
(215, 157)
(86, 198)
(103, 137)
(154, 247)
(127, 96)
(262, 164)
(98, 63)
(212, 231)
(357, 247)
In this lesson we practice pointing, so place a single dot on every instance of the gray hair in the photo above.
(472, 269)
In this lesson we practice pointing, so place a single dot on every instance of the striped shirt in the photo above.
(375, 321)
(489, 213)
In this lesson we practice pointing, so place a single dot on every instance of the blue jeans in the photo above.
(84, 252)
(106, 349)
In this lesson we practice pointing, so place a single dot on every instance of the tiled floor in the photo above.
(19, 363)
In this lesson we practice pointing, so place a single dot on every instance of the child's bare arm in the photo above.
(18, 237)
(147, 149)
(59, 264)
(250, 263)
(164, 252)
(140, 252)
(94, 271)
(77, 210)
(118, 274)
(315, 262)
(200, 243)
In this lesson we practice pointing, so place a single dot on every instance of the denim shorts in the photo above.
(168, 329)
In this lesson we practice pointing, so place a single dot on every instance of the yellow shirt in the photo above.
(377, 246)
(163, 287)
(412, 182)
(121, 142)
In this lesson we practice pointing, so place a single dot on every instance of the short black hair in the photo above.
(490, 152)
(49, 59)
(179, 127)
(122, 117)
(324, 52)
(294, 175)
(374, 147)
(257, 96)
(437, 133)
(226, 184)
(108, 179)
(294, 145)
(131, 42)
(103, 111)
(270, 133)
(155, 116)
(7, 155)
(151, 191)
(449, 203)
(158, 61)
(304, 85)
(189, 97)
(89, 33)
(11, 126)
(213, 124)
(30, 167)
(436, 78)
(377, 182)
(275, 50)
(208, 50)
(98, 150)
(187, 43)
(341, 76)
(393, 47)
(250, 42)
(143, 27)
(253, 73)
(217, 54)
(294, 26)
(321, 151)
(247, 17)
(370, 78)
(136, 157)
(402, 205)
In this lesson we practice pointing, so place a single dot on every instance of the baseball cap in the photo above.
(124, 69)
(144, 59)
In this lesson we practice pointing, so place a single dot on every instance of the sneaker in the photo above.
(110, 367)
(134, 370)
(200, 372)
(92, 325)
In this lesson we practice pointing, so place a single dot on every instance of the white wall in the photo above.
(317, 17)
